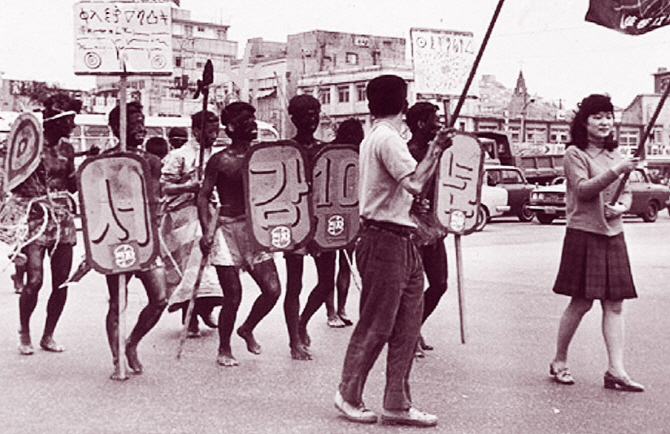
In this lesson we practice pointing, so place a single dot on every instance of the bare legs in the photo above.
(61, 263)
(153, 281)
(612, 329)
(265, 275)
(294, 270)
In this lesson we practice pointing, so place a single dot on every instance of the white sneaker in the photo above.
(358, 414)
(412, 417)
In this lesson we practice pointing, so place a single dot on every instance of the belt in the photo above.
(400, 230)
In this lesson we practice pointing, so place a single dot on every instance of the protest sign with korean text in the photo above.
(335, 196)
(442, 60)
(459, 184)
(277, 195)
(123, 37)
(116, 213)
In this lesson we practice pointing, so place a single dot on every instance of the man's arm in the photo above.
(415, 181)
(202, 202)
(173, 179)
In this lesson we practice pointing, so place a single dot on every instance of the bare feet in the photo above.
(25, 344)
(48, 344)
(305, 340)
(133, 361)
(248, 336)
(345, 319)
(335, 322)
(226, 359)
(299, 352)
(116, 375)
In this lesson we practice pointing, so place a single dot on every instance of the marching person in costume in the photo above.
(45, 194)
(180, 228)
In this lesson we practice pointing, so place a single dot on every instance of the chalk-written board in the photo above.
(109, 34)
(442, 60)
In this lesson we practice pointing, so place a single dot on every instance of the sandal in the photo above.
(561, 375)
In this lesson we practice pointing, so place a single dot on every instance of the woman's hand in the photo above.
(614, 211)
(626, 165)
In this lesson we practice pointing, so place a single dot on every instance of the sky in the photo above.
(562, 56)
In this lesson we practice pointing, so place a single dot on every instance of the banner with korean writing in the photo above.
(442, 60)
(633, 17)
(335, 196)
(116, 213)
(277, 195)
(123, 37)
(459, 184)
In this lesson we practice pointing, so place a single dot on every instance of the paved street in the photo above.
(496, 383)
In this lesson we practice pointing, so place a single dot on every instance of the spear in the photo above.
(203, 88)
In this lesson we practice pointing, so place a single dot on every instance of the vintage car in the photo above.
(493, 203)
(518, 189)
(548, 202)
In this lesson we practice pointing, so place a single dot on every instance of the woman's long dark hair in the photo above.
(590, 105)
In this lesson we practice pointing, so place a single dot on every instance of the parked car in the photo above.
(493, 204)
(548, 202)
(513, 180)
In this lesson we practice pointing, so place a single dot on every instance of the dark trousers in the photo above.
(391, 310)
(434, 258)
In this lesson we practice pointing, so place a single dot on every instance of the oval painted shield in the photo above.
(277, 195)
(24, 147)
(116, 215)
(335, 196)
(459, 184)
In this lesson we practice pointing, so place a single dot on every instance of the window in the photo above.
(360, 90)
(178, 61)
(188, 31)
(343, 93)
(376, 55)
(221, 34)
(201, 29)
(324, 96)
(199, 64)
(352, 58)
(511, 177)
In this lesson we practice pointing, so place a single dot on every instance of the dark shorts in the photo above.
(594, 267)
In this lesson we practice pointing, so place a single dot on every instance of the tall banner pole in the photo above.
(639, 152)
(452, 117)
(473, 71)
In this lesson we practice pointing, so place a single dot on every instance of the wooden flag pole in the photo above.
(639, 152)
(451, 121)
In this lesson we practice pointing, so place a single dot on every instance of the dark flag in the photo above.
(633, 17)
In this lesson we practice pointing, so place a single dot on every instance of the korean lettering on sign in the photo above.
(116, 213)
(459, 183)
(442, 60)
(335, 196)
(277, 190)
(119, 37)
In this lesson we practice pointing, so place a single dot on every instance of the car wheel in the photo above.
(483, 217)
(545, 219)
(525, 215)
(651, 213)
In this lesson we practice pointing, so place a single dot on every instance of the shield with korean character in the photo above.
(335, 196)
(117, 214)
(459, 184)
(277, 195)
